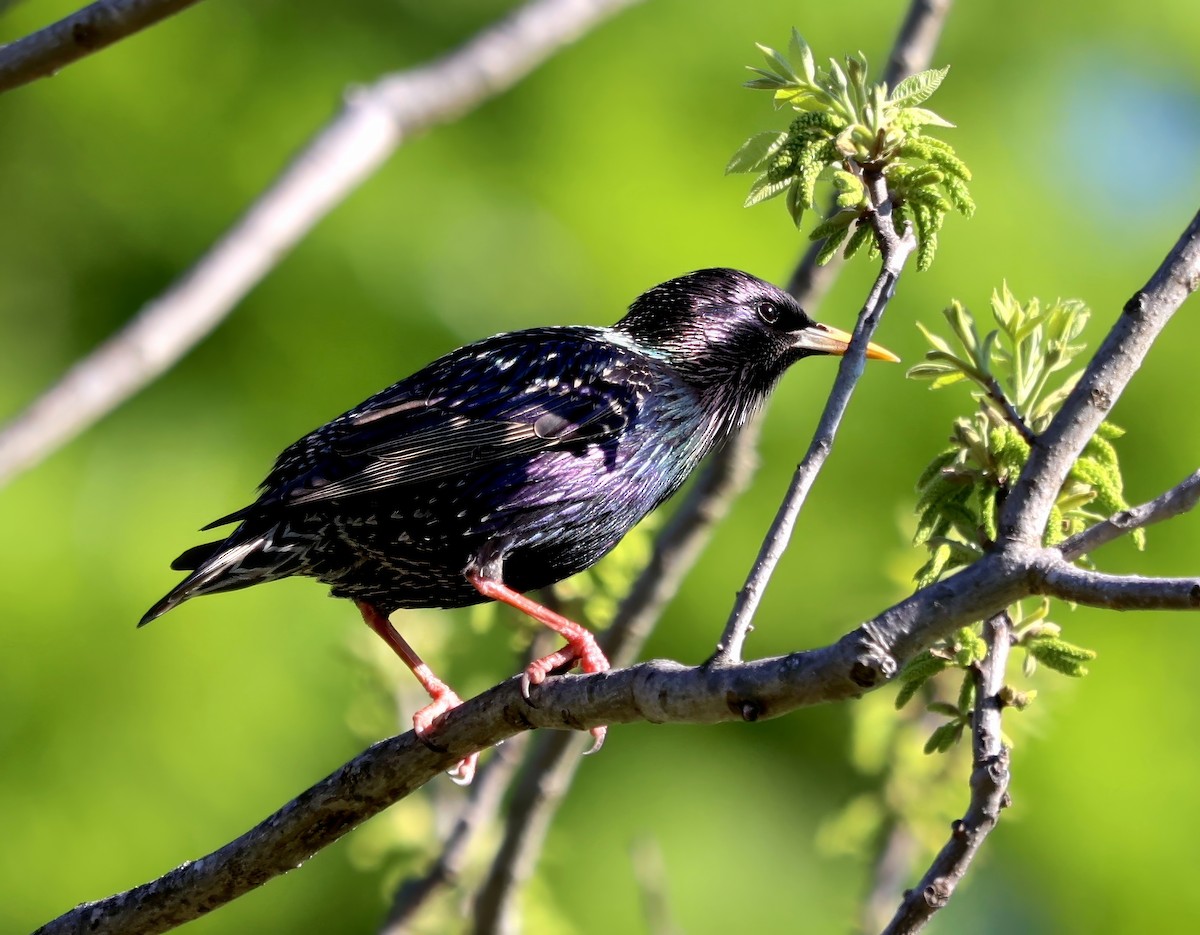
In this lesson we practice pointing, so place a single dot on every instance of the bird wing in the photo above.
(508, 397)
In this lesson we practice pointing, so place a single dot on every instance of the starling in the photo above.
(513, 463)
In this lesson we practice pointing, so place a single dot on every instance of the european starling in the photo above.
(512, 463)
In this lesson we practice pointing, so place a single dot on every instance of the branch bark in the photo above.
(896, 248)
(1178, 500)
(374, 121)
(1145, 315)
(95, 27)
(989, 789)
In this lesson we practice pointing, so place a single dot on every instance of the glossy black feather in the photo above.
(528, 454)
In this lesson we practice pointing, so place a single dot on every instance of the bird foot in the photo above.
(425, 720)
(582, 648)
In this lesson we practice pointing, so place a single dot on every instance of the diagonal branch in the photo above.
(989, 789)
(1028, 505)
(1178, 500)
(374, 121)
(896, 248)
(657, 692)
(89, 30)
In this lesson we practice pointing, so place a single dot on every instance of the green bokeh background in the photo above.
(124, 752)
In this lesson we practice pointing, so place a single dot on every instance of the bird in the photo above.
(512, 463)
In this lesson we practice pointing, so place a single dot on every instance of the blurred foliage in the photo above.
(847, 127)
(127, 752)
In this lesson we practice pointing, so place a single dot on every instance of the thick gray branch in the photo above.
(1027, 507)
(658, 692)
(89, 30)
(374, 121)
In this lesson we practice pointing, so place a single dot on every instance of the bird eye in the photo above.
(768, 312)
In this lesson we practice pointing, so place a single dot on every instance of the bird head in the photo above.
(729, 332)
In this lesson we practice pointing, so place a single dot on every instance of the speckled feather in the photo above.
(526, 456)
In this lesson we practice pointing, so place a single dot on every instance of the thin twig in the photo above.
(89, 30)
(989, 789)
(374, 121)
(1178, 500)
(1004, 406)
(650, 875)
(896, 248)
(543, 783)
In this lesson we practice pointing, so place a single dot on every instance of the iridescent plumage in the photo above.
(521, 459)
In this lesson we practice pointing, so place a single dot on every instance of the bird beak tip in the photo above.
(875, 352)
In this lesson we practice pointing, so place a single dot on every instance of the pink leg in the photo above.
(581, 645)
(444, 698)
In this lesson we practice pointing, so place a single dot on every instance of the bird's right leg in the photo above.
(444, 698)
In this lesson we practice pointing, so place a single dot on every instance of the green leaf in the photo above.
(777, 63)
(832, 244)
(800, 52)
(754, 153)
(764, 188)
(862, 234)
(919, 116)
(917, 88)
(1060, 655)
(944, 737)
(916, 672)
(795, 207)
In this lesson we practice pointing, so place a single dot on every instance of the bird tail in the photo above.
(229, 564)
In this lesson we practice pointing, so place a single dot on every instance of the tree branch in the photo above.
(373, 122)
(1178, 500)
(89, 30)
(1117, 592)
(989, 789)
(657, 692)
(1028, 505)
(896, 248)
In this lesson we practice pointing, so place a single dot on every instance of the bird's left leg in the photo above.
(581, 645)
(443, 697)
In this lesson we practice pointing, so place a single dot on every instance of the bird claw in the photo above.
(425, 720)
(582, 649)
(598, 733)
(464, 770)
